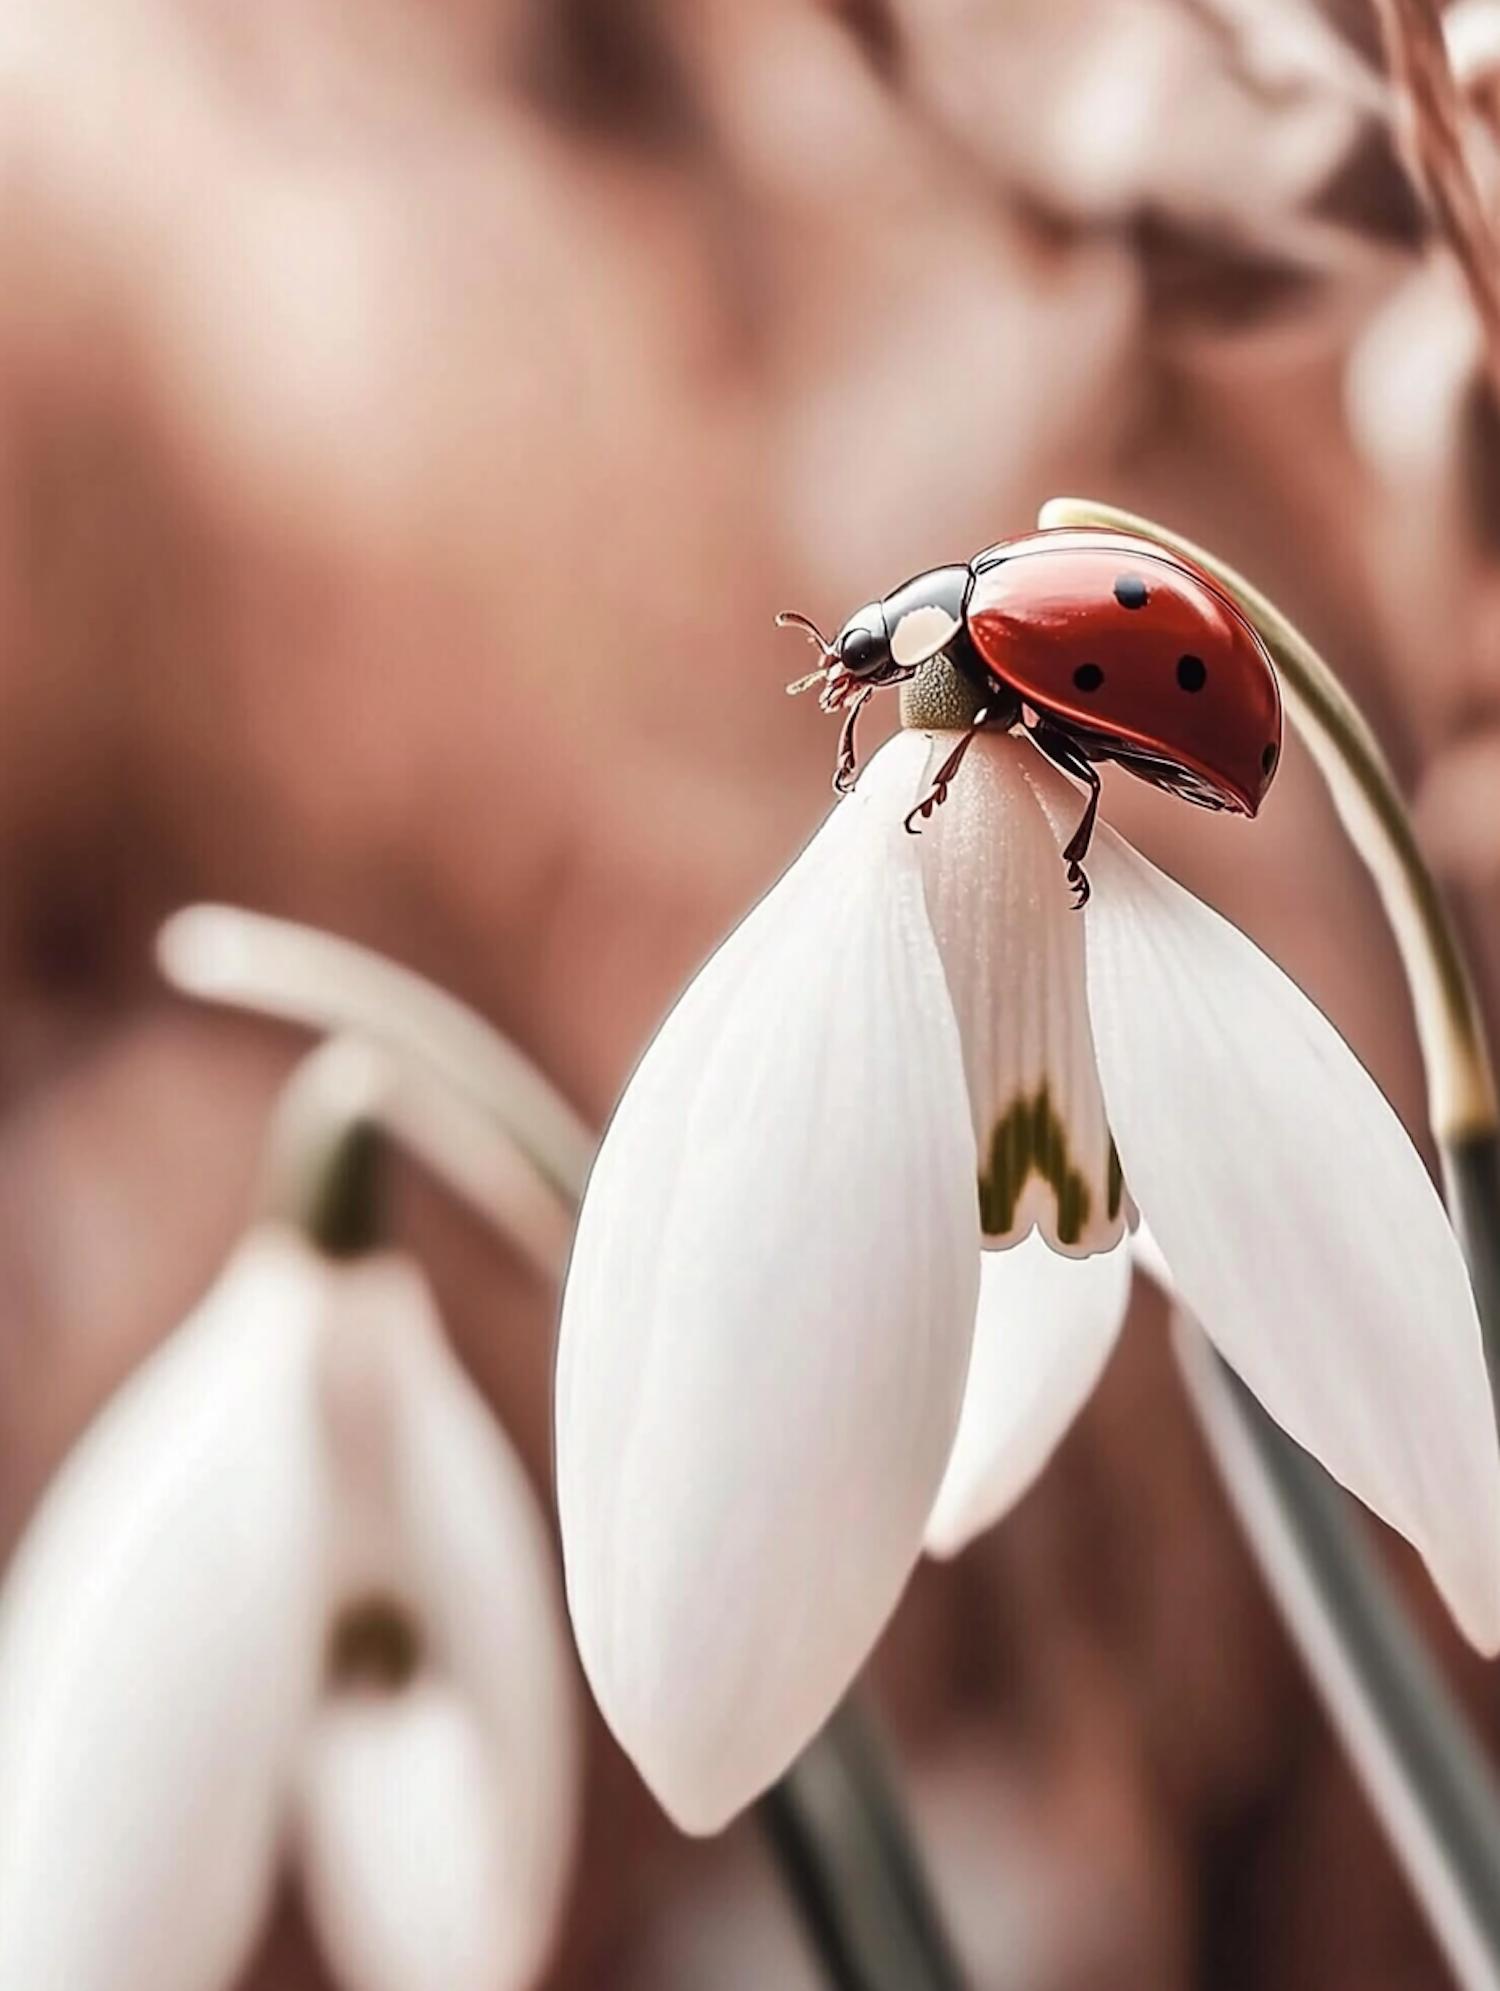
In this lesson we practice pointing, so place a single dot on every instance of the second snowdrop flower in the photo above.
(290, 1600)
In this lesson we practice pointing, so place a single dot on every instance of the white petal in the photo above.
(158, 1650)
(1146, 1254)
(1045, 1329)
(406, 1853)
(437, 1518)
(1013, 949)
(1297, 1219)
(767, 1319)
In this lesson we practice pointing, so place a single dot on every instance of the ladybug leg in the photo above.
(1063, 753)
(937, 794)
(843, 775)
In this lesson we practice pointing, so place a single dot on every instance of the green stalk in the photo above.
(1460, 1078)
(278, 968)
(843, 1844)
(1424, 1769)
(327, 1159)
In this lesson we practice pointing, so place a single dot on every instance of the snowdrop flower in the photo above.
(290, 1598)
(797, 1347)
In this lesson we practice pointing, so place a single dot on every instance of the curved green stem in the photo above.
(1424, 1769)
(1460, 1078)
(277, 968)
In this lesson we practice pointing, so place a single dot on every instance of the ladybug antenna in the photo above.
(790, 619)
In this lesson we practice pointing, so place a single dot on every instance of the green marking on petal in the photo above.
(1028, 1140)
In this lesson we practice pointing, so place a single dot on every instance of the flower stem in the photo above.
(1471, 1186)
(1461, 1099)
(844, 1846)
(1423, 1768)
(327, 1159)
(1421, 1764)
(431, 1073)
(277, 968)
(412, 1062)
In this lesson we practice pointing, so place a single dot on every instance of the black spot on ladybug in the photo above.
(1268, 758)
(1088, 677)
(1191, 673)
(1130, 591)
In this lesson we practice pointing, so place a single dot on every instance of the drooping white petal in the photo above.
(1146, 1256)
(1045, 1328)
(440, 1817)
(1296, 1218)
(158, 1651)
(407, 1858)
(767, 1319)
(1012, 947)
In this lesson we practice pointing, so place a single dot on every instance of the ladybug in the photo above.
(1100, 645)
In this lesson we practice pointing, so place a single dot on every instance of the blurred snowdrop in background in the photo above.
(289, 1605)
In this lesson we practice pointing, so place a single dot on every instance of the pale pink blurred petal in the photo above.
(439, 1811)
(408, 1862)
(158, 1649)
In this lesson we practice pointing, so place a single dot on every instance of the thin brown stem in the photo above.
(1432, 117)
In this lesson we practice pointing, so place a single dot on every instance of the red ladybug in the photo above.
(1100, 645)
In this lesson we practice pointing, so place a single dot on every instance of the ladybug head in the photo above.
(862, 649)
(859, 657)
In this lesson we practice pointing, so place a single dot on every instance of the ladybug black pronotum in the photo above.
(1100, 645)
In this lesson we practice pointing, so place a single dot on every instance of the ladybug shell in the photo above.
(1138, 655)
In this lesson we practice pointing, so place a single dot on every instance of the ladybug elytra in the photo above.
(1100, 645)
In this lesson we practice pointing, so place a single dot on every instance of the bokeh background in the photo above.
(412, 415)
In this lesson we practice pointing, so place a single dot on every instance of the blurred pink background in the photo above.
(412, 415)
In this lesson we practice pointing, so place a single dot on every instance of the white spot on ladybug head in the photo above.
(920, 634)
